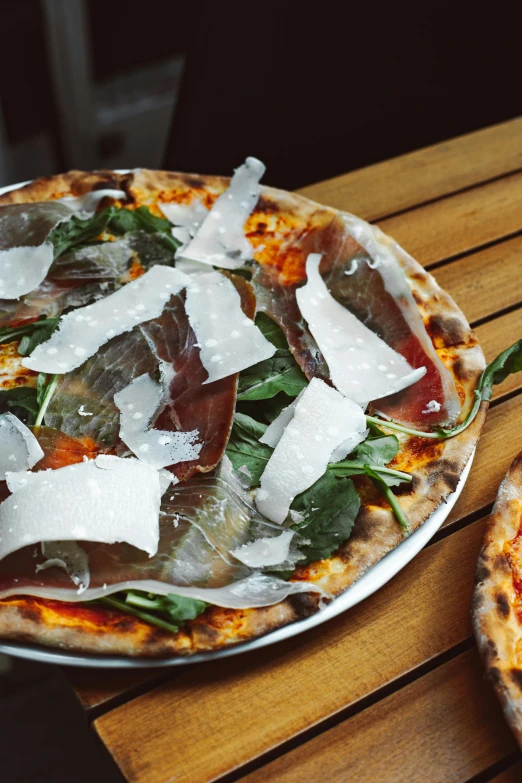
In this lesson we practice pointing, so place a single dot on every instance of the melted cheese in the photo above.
(107, 500)
(228, 341)
(83, 331)
(324, 423)
(138, 403)
(362, 366)
(220, 240)
(19, 449)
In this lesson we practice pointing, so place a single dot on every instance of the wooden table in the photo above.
(393, 690)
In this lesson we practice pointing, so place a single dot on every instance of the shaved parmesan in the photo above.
(272, 434)
(107, 500)
(323, 422)
(362, 366)
(265, 551)
(228, 340)
(88, 202)
(221, 240)
(138, 403)
(19, 449)
(71, 557)
(189, 216)
(83, 331)
(22, 269)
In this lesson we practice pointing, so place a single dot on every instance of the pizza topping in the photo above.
(276, 428)
(228, 340)
(108, 499)
(324, 423)
(22, 269)
(362, 366)
(265, 551)
(138, 403)
(83, 331)
(188, 216)
(90, 201)
(71, 557)
(19, 449)
(220, 240)
(432, 407)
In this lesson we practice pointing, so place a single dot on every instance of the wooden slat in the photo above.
(236, 709)
(486, 282)
(444, 728)
(498, 446)
(403, 182)
(511, 775)
(460, 223)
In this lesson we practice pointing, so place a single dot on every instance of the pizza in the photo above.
(497, 599)
(220, 405)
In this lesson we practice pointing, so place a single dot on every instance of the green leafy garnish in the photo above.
(45, 388)
(244, 447)
(77, 230)
(166, 611)
(506, 363)
(141, 219)
(21, 398)
(280, 373)
(30, 335)
(329, 509)
(390, 497)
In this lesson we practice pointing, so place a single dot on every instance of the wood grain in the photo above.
(444, 728)
(236, 709)
(511, 775)
(486, 282)
(403, 182)
(460, 223)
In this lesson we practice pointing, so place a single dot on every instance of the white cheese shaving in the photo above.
(83, 331)
(189, 216)
(88, 203)
(228, 341)
(272, 434)
(265, 551)
(362, 366)
(221, 240)
(323, 421)
(83, 412)
(19, 449)
(22, 269)
(432, 407)
(71, 557)
(107, 500)
(138, 403)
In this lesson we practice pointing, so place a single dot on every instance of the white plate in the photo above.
(375, 578)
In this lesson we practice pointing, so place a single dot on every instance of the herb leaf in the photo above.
(142, 219)
(244, 447)
(21, 398)
(77, 230)
(37, 332)
(390, 497)
(166, 611)
(280, 373)
(330, 507)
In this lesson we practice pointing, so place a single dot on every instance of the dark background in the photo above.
(315, 89)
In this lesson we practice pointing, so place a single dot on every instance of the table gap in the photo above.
(477, 249)
(496, 769)
(345, 714)
(498, 314)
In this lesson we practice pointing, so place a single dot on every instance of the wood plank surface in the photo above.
(458, 224)
(403, 182)
(251, 704)
(486, 282)
(444, 728)
(511, 775)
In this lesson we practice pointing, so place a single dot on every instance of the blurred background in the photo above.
(314, 89)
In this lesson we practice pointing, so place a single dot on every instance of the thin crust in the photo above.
(498, 630)
(437, 465)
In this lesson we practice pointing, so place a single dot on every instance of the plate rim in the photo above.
(375, 578)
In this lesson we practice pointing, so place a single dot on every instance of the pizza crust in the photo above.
(497, 629)
(438, 465)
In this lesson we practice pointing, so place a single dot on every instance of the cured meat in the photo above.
(379, 296)
(189, 404)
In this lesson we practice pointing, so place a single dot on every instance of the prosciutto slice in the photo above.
(375, 291)
(189, 404)
(186, 563)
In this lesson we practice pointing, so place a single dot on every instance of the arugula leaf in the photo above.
(142, 219)
(280, 373)
(45, 388)
(77, 230)
(390, 497)
(379, 451)
(150, 607)
(244, 447)
(21, 398)
(330, 507)
(375, 452)
(37, 331)
(506, 363)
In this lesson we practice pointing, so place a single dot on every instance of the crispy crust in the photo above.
(437, 465)
(497, 628)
